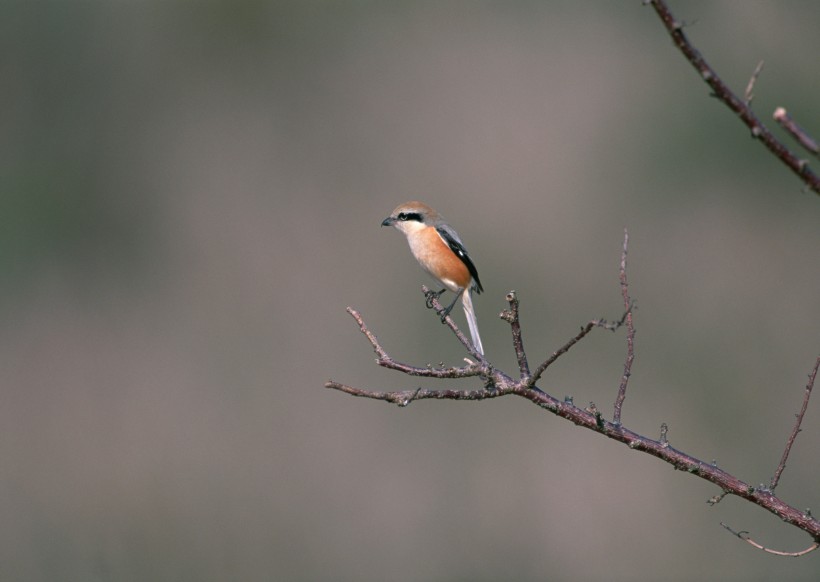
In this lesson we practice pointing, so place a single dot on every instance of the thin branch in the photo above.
(724, 94)
(370, 337)
(433, 303)
(630, 334)
(744, 535)
(785, 120)
(405, 397)
(796, 429)
(558, 353)
(384, 360)
(511, 316)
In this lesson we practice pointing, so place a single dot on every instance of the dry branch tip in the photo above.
(744, 535)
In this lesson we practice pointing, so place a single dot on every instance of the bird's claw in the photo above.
(432, 295)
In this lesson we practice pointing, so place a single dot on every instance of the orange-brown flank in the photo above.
(437, 257)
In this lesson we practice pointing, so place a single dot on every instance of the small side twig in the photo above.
(602, 323)
(796, 429)
(511, 316)
(560, 352)
(785, 120)
(630, 335)
(744, 535)
(748, 95)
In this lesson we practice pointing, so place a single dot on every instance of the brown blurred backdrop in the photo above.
(191, 196)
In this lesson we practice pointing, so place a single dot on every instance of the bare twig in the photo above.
(782, 465)
(511, 317)
(785, 120)
(796, 429)
(724, 94)
(748, 95)
(558, 353)
(744, 535)
(602, 323)
(384, 360)
(405, 397)
(630, 335)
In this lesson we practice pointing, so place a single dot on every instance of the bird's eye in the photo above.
(405, 216)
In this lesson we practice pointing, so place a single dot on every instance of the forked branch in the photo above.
(496, 383)
(798, 421)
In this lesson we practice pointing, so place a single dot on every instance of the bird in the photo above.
(439, 250)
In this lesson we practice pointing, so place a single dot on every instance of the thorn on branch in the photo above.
(664, 440)
(402, 402)
(714, 500)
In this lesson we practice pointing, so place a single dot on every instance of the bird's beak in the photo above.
(388, 221)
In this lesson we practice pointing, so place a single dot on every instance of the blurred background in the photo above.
(191, 197)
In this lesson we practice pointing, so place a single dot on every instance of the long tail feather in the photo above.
(467, 302)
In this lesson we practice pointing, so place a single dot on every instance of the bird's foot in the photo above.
(431, 295)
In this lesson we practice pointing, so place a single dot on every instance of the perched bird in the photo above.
(439, 250)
